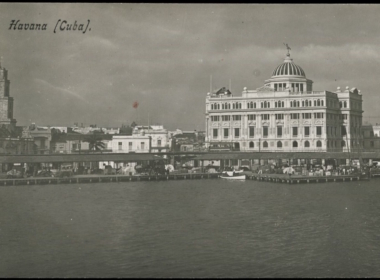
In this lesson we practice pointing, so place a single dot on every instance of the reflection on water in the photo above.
(202, 228)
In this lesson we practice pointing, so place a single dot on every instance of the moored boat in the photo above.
(231, 175)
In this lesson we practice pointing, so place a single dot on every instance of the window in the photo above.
(265, 144)
(279, 116)
(306, 115)
(318, 115)
(214, 118)
(265, 131)
(307, 144)
(251, 117)
(319, 144)
(295, 131)
(74, 146)
(215, 133)
(344, 116)
(295, 144)
(159, 143)
(225, 132)
(318, 102)
(345, 104)
(130, 146)
(294, 116)
(265, 116)
(120, 146)
(307, 131)
(279, 144)
(251, 145)
(143, 145)
(225, 118)
(319, 130)
(251, 131)
(343, 143)
(236, 117)
(237, 132)
(279, 131)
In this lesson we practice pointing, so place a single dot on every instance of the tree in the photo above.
(95, 142)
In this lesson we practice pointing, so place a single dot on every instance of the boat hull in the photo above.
(240, 177)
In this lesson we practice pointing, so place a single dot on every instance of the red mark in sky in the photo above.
(135, 104)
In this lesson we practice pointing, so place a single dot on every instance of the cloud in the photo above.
(60, 90)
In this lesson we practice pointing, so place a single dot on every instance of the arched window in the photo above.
(309, 103)
(275, 104)
(233, 105)
(251, 145)
(321, 102)
(291, 103)
(254, 105)
(229, 105)
(222, 106)
(262, 104)
(212, 106)
(295, 144)
(345, 104)
(239, 105)
(319, 144)
(282, 103)
(268, 104)
(343, 143)
(279, 144)
(265, 144)
(218, 106)
(298, 103)
(307, 144)
(303, 103)
(315, 102)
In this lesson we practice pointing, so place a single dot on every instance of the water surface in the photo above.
(191, 228)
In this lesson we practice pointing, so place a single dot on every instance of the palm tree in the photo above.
(95, 142)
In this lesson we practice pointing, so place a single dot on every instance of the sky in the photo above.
(162, 56)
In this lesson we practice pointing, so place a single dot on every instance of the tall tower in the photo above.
(6, 102)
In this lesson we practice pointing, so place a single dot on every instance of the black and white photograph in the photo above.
(168, 140)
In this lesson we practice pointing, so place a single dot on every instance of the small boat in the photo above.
(232, 175)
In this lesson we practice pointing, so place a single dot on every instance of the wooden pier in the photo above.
(285, 179)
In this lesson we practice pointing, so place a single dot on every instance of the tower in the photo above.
(6, 102)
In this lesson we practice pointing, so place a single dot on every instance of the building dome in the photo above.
(288, 68)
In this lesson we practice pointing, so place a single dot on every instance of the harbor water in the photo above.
(191, 228)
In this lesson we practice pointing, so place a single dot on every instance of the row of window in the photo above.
(295, 87)
(280, 145)
(265, 131)
(293, 116)
(265, 104)
(130, 145)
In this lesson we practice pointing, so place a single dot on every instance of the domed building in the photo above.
(285, 114)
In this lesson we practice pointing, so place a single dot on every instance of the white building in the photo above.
(285, 115)
(159, 135)
(130, 144)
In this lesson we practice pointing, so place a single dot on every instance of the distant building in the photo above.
(41, 137)
(131, 143)
(159, 137)
(285, 114)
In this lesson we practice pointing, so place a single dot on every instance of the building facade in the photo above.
(285, 114)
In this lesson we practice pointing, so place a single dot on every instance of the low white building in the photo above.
(159, 135)
(136, 143)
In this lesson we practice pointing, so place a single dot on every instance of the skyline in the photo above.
(162, 56)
